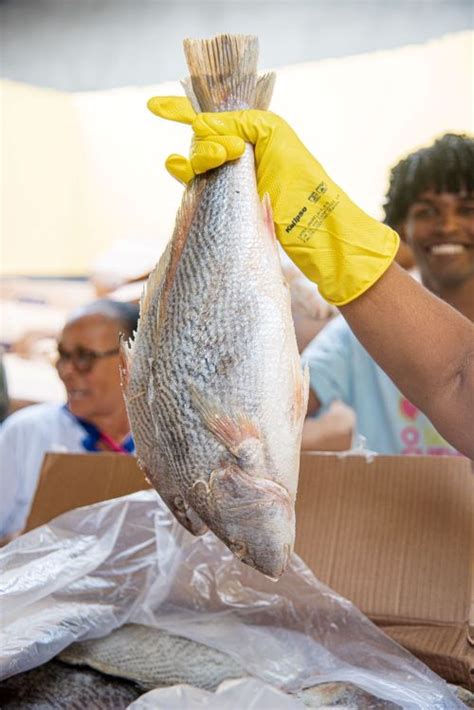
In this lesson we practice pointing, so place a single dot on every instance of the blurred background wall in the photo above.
(84, 192)
(83, 45)
(362, 81)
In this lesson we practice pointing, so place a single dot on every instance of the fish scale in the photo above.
(212, 380)
(212, 252)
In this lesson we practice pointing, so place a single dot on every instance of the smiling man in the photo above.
(93, 419)
(430, 203)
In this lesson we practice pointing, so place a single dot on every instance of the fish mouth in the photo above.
(267, 545)
(253, 515)
(272, 565)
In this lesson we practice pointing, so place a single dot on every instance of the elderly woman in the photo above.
(93, 419)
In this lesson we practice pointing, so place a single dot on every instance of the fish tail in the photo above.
(264, 90)
(224, 73)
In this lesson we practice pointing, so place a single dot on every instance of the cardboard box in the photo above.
(70, 481)
(395, 536)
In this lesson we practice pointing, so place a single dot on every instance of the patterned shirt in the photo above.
(340, 368)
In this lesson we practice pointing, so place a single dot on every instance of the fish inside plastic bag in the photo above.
(96, 568)
(248, 693)
(153, 658)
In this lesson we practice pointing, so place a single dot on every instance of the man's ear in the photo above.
(404, 254)
(400, 230)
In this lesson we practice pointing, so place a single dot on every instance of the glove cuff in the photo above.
(357, 281)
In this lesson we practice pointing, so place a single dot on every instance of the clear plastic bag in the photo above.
(125, 560)
(248, 693)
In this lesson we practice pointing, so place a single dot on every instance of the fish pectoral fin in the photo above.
(235, 430)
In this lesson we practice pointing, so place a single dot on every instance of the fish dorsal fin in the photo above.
(301, 382)
(155, 281)
(269, 227)
(125, 360)
(156, 290)
(268, 218)
(182, 227)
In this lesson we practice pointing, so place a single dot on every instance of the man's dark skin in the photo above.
(425, 346)
(425, 358)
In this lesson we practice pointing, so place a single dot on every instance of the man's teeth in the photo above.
(447, 249)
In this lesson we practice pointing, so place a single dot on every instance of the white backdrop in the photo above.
(82, 171)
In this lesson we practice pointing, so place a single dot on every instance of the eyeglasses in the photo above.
(82, 359)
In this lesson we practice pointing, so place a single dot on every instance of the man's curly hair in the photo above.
(445, 166)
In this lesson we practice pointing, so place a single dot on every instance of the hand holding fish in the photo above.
(331, 240)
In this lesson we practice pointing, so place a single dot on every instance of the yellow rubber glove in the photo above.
(328, 237)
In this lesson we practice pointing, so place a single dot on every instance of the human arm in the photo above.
(332, 431)
(314, 405)
(425, 346)
(349, 255)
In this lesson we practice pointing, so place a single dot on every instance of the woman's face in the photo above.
(96, 391)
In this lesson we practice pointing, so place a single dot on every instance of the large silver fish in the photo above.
(213, 383)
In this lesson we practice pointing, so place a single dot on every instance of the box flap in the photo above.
(72, 480)
(443, 648)
(393, 535)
